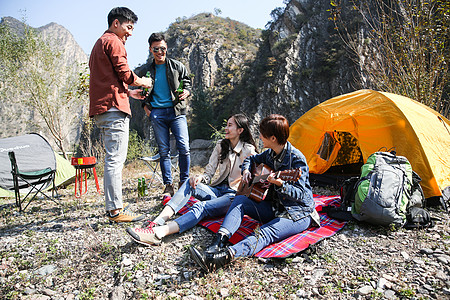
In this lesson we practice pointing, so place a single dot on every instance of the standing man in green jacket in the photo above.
(110, 106)
(167, 109)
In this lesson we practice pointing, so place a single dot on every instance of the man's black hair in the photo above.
(156, 37)
(123, 14)
(275, 125)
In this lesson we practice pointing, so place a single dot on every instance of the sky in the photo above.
(87, 20)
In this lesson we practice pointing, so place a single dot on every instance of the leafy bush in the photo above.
(137, 147)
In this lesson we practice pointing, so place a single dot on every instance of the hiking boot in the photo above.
(149, 224)
(217, 244)
(125, 215)
(199, 258)
(219, 259)
(168, 190)
(211, 262)
(144, 236)
(125, 206)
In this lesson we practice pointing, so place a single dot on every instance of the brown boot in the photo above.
(168, 190)
(125, 216)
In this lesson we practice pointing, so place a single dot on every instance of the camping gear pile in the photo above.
(344, 131)
(341, 138)
(387, 193)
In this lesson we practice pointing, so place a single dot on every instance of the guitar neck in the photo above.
(257, 188)
(288, 175)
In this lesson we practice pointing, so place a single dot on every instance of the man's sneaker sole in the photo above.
(136, 219)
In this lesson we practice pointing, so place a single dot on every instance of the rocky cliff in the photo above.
(15, 117)
(63, 40)
(58, 36)
(216, 52)
(302, 63)
(296, 63)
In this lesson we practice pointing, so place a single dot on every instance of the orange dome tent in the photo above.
(348, 128)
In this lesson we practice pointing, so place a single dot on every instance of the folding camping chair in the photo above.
(35, 181)
(153, 164)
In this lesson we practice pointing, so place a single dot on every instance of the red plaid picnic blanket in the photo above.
(286, 247)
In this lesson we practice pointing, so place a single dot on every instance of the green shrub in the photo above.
(137, 147)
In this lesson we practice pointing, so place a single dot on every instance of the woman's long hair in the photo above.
(246, 136)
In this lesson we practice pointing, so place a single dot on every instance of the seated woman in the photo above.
(228, 156)
(288, 208)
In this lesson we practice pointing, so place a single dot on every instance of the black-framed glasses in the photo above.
(156, 49)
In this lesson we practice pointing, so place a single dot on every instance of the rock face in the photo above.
(64, 41)
(16, 118)
(213, 48)
(201, 151)
(305, 63)
(296, 63)
(216, 52)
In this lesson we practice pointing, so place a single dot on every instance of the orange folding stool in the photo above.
(81, 165)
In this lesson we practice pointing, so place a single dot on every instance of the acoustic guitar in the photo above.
(258, 186)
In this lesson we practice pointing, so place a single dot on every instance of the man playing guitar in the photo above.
(257, 187)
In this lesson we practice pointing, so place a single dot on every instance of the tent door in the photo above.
(327, 152)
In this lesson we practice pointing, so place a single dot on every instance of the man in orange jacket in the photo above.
(110, 76)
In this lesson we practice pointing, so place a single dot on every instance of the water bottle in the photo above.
(144, 187)
(139, 187)
(179, 90)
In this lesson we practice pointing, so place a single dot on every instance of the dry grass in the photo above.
(94, 259)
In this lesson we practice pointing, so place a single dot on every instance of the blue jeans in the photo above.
(163, 121)
(114, 126)
(204, 209)
(202, 192)
(275, 229)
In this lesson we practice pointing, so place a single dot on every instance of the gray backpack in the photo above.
(384, 189)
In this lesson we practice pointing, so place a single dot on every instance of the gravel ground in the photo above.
(71, 251)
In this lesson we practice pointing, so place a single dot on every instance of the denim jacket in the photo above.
(296, 196)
